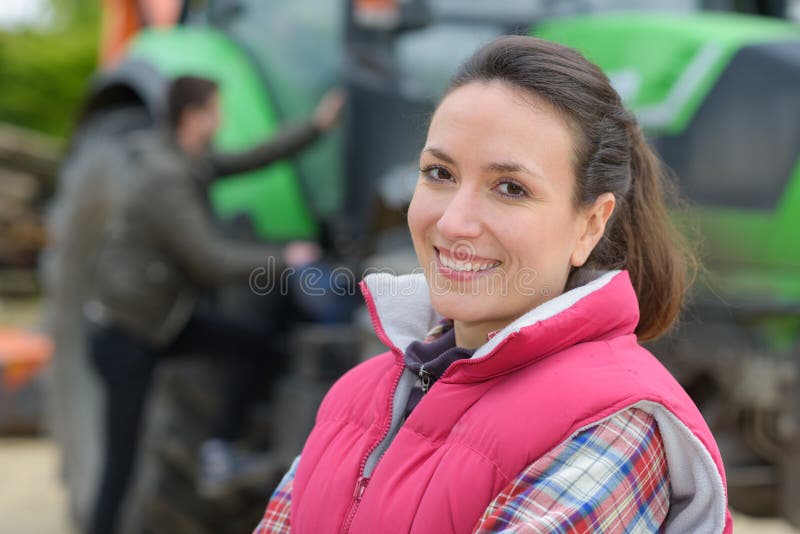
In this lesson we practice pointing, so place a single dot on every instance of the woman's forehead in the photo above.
(498, 96)
(481, 121)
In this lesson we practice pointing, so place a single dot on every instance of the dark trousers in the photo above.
(126, 367)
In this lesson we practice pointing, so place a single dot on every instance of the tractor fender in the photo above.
(133, 83)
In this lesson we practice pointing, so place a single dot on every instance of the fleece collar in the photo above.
(604, 308)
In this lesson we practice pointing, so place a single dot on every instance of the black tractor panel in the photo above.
(386, 129)
(743, 143)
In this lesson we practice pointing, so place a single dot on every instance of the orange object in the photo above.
(377, 13)
(122, 19)
(22, 355)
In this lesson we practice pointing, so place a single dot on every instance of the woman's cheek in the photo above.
(421, 213)
(417, 227)
(413, 217)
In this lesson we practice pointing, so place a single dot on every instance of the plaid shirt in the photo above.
(611, 477)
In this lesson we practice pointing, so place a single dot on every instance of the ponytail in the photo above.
(657, 256)
(640, 236)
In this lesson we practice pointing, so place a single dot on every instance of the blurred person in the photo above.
(159, 250)
(515, 396)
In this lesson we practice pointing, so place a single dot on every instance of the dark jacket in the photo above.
(160, 246)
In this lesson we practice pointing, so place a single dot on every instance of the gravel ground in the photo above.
(33, 501)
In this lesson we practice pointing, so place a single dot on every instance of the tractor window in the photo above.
(528, 10)
(742, 146)
(296, 45)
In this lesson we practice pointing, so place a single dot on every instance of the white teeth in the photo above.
(466, 266)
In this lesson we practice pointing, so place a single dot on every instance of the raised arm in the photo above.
(287, 142)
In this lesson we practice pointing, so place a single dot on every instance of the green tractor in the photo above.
(715, 92)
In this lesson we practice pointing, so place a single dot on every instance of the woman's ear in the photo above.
(594, 219)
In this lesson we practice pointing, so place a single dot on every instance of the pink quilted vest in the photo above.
(560, 368)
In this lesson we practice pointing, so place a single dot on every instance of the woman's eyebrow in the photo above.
(440, 154)
(496, 166)
(507, 166)
(510, 167)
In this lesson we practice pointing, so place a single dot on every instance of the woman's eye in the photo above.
(512, 189)
(438, 174)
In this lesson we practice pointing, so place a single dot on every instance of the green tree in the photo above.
(45, 69)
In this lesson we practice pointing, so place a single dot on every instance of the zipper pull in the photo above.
(425, 376)
(361, 485)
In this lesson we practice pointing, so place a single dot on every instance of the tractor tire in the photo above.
(75, 224)
(790, 465)
(727, 372)
(187, 394)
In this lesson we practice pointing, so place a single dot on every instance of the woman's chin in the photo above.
(459, 307)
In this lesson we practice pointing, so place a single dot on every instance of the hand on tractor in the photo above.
(329, 109)
(301, 253)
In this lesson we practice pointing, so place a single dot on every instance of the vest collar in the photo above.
(604, 308)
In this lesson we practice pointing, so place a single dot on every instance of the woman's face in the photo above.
(492, 218)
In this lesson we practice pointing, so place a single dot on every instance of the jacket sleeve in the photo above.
(276, 518)
(609, 478)
(185, 233)
(289, 140)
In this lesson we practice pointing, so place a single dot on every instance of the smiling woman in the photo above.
(497, 184)
(515, 395)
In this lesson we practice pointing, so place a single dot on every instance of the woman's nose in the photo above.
(462, 215)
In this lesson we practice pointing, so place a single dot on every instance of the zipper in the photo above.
(477, 361)
(361, 483)
(425, 377)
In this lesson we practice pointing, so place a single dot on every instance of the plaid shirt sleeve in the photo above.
(276, 518)
(609, 478)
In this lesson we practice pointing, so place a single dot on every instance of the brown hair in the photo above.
(185, 92)
(611, 155)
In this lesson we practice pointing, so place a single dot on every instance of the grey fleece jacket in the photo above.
(160, 246)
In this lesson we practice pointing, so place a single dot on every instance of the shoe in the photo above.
(224, 469)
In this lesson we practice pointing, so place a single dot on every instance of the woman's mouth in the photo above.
(466, 266)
